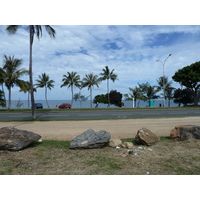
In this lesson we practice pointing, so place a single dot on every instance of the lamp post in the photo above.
(163, 63)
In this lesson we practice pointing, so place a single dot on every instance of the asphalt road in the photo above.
(103, 114)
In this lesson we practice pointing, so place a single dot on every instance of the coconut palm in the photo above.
(90, 80)
(108, 75)
(148, 91)
(71, 80)
(26, 88)
(165, 85)
(33, 29)
(13, 74)
(135, 93)
(2, 81)
(44, 81)
(2, 100)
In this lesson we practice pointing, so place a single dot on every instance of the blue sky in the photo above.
(131, 50)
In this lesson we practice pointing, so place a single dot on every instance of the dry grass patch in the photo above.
(55, 157)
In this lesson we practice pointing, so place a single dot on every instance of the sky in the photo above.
(131, 50)
(127, 37)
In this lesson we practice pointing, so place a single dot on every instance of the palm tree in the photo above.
(25, 89)
(44, 81)
(33, 29)
(135, 93)
(91, 80)
(165, 85)
(108, 75)
(2, 81)
(148, 91)
(169, 91)
(13, 74)
(71, 80)
(2, 100)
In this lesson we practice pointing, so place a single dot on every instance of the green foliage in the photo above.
(108, 75)
(148, 91)
(183, 96)
(90, 80)
(134, 93)
(44, 81)
(100, 99)
(115, 98)
(189, 77)
(80, 98)
(12, 74)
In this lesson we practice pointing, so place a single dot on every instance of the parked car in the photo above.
(65, 105)
(38, 105)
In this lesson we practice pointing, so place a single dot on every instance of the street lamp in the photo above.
(163, 63)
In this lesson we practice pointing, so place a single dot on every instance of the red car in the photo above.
(65, 105)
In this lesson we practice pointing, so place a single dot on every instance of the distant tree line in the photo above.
(188, 77)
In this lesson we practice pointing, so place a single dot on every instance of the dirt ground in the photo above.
(120, 128)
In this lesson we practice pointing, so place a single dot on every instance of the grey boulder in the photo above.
(91, 139)
(15, 139)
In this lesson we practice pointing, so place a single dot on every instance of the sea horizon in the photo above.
(23, 104)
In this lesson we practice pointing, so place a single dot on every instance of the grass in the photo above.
(51, 157)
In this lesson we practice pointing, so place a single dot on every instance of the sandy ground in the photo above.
(120, 128)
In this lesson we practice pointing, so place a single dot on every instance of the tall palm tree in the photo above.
(108, 75)
(71, 80)
(44, 81)
(165, 85)
(33, 29)
(13, 74)
(90, 80)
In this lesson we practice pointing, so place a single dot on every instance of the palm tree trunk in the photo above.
(31, 73)
(9, 98)
(4, 93)
(28, 100)
(91, 97)
(108, 92)
(46, 96)
(72, 95)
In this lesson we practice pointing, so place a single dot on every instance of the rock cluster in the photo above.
(15, 139)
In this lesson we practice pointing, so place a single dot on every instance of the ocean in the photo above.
(86, 104)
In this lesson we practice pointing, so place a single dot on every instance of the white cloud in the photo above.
(131, 50)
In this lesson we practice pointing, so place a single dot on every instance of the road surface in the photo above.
(102, 114)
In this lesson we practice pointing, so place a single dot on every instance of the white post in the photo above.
(133, 102)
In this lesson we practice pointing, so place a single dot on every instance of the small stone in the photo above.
(115, 142)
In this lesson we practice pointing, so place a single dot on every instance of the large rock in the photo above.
(90, 139)
(146, 137)
(185, 132)
(15, 139)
